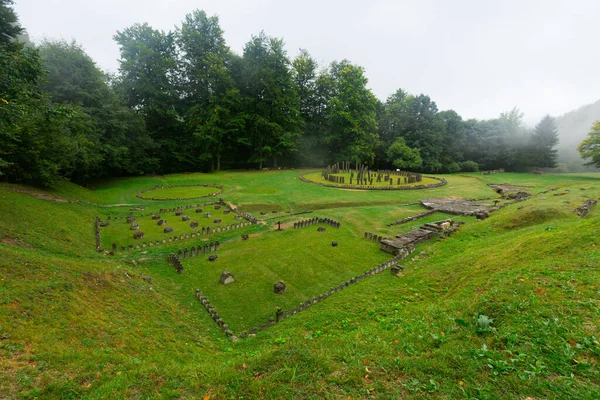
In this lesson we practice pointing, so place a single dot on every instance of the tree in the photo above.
(37, 139)
(416, 119)
(9, 26)
(118, 134)
(402, 156)
(148, 83)
(590, 147)
(270, 100)
(352, 115)
(211, 98)
(543, 141)
(313, 88)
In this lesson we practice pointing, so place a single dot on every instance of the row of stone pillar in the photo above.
(374, 238)
(315, 221)
(198, 250)
(215, 315)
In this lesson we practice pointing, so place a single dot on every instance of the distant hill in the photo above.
(573, 127)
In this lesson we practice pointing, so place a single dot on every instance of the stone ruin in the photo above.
(362, 176)
(456, 206)
(226, 278)
(396, 270)
(585, 208)
(279, 287)
(406, 242)
(315, 221)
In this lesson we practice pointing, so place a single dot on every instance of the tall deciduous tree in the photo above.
(116, 135)
(590, 147)
(314, 90)
(352, 115)
(148, 80)
(211, 98)
(38, 141)
(270, 100)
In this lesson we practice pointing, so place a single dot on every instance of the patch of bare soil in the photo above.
(283, 226)
(39, 195)
(15, 242)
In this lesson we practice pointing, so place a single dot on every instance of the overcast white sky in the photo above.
(478, 57)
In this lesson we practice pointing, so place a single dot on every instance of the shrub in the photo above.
(469, 166)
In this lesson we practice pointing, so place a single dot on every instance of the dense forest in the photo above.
(183, 101)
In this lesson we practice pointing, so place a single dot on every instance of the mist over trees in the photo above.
(183, 101)
(573, 128)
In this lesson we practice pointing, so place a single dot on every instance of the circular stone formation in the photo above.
(343, 175)
(180, 192)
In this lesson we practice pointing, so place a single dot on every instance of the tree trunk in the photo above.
(218, 162)
(275, 162)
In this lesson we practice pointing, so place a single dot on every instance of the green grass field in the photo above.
(506, 308)
(180, 192)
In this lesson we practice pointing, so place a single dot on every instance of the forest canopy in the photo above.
(184, 101)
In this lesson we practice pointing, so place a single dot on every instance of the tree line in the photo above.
(183, 101)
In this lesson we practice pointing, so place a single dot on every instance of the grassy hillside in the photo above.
(508, 307)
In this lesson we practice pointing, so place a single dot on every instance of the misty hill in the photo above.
(573, 127)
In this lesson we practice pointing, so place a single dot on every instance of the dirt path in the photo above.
(283, 226)
(39, 195)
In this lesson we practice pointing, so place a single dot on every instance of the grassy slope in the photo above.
(74, 323)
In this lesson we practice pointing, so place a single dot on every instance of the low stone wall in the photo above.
(172, 258)
(247, 216)
(491, 172)
(585, 208)
(412, 218)
(97, 233)
(442, 182)
(215, 315)
(315, 221)
(157, 187)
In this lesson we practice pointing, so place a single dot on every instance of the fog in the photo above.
(478, 58)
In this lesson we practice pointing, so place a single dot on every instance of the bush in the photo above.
(451, 168)
(469, 166)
